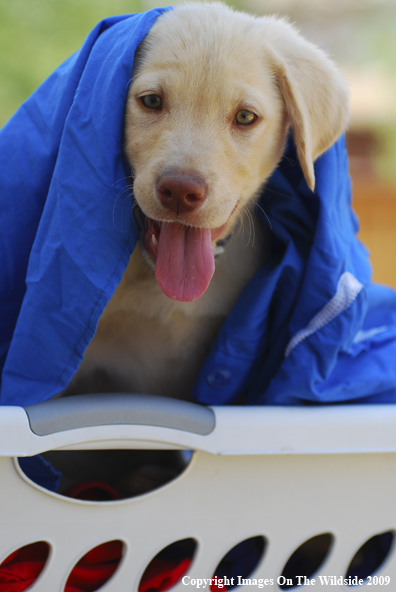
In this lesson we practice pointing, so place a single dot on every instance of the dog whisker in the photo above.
(290, 197)
(252, 227)
(247, 213)
(127, 190)
(265, 214)
(132, 177)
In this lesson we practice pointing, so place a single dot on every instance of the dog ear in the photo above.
(314, 92)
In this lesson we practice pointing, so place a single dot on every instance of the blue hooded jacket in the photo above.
(309, 327)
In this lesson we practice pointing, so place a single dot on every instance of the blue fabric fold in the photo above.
(40, 471)
(66, 238)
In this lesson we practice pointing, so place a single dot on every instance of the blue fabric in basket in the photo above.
(39, 470)
(310, 327)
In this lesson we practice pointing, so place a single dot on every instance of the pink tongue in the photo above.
(185, 262)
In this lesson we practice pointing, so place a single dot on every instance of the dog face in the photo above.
(212, 98)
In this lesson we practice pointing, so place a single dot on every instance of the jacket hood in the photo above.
(309, 327)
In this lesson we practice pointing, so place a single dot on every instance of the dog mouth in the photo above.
(182, 255)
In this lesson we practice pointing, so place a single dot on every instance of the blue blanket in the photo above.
(309, 327)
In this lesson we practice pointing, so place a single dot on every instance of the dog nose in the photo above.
(181, 192)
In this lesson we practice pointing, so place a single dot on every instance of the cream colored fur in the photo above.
(208, 62)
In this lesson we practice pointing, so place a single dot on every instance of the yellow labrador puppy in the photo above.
(213, 95)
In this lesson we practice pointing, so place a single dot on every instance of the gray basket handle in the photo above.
(69, 413)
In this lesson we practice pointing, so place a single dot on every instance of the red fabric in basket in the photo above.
(162, 575)
(95, 568)
(21, 569)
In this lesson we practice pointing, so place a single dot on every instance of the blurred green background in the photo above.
(37, 35)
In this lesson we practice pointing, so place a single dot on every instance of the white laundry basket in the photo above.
(287, 474)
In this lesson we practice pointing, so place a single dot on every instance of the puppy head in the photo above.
(212, 98)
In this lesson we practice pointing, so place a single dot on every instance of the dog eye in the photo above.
(244, 117)
(152, 102)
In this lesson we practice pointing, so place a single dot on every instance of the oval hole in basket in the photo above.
(24, 565)
(240, 562)
(104, 475)
(305, 561)
(96, 567)
(168, 566)
(371, 556)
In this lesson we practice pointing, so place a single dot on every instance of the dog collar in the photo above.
(219, 249)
